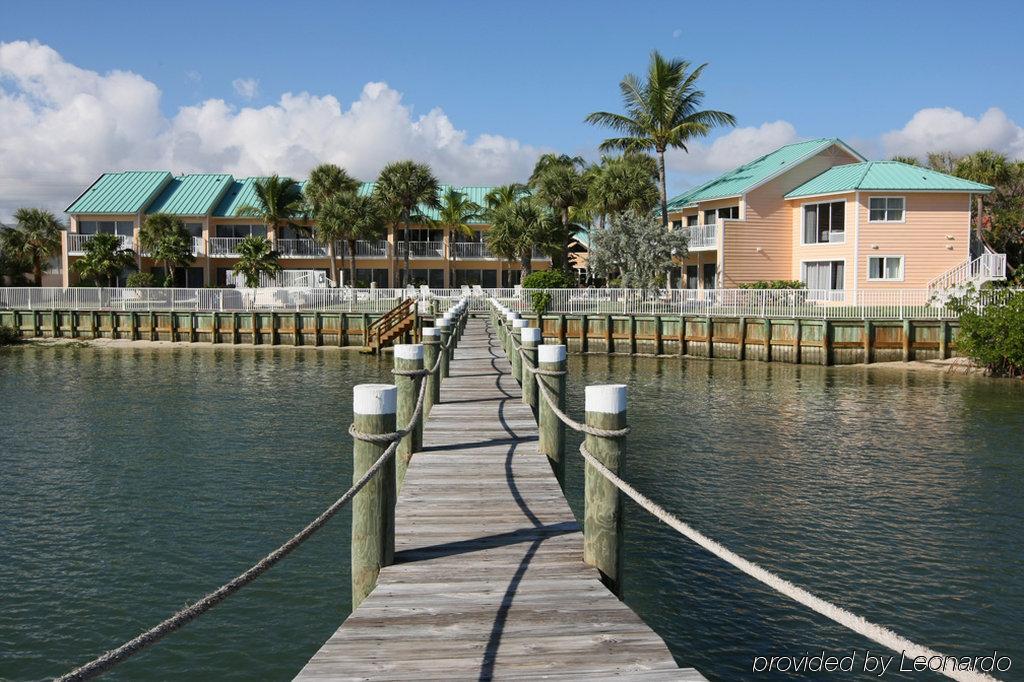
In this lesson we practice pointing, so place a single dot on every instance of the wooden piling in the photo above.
(431, 342)
(768, 339)
(584, 333)
(408, 357)
(445, 330)
(906, 340)
(658, 344)
(868, 333)
(602, 518)
(551, 358)
(944, 339)
(798, 335)
(742, 352)
(514, 357)
(373, 508)
(530, 339)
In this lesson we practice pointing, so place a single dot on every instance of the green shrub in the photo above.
(548, 279)
(141, 280)
(992, 336)
(773, 284)
(540, 302)
(9, 336)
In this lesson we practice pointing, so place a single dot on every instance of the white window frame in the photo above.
(823, 259)
(803, 217)
(883, 278)
(894, 222)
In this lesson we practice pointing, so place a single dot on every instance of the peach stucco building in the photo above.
(818, 212)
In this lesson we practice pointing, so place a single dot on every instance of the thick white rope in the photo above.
(876, 633)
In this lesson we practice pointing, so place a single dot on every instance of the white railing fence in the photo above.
(779, 303)
(987, 267)
(701, 236)
(420, 249)
(76, 242)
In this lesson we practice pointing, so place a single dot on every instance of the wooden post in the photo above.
(563, 329)
(235, 336)
(743, 339)
(54, 324)
(408, 357)
(826, 343)
(798, 334)
(551, 357)
(342, 329)
(531, 339)
(73, 321)
(710, 336)
(768, 339)
(135, 326)
(153, 334)
(514, 357)
(191, 327)
(906, 340)
(431, 342)
(658, 345)
(602, 517)
(608, 334)
(944, 339)
(95, 323)
(632, 334)
(113, 326)
(584, 333)
(214, 327)
(317, 329)
(373, 508)
(275, 329)
(366, 329)
(255, 329)
(682, 335)
(506, 331)
(173, 316)
(868, 342)
(36, 330)
(446, 332)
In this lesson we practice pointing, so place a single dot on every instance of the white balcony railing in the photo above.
(224, 246)
(300, 248)
(987, 267)
(471, 250)
(76, 242)
(364, 249)
(421, 249)
(702, 237)
(198, 246)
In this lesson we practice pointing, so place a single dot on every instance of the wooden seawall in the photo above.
(488, 580)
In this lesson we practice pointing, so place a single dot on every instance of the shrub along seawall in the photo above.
(801, 341)
(806, 341)
(269, 328)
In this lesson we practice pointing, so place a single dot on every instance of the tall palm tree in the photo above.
(517, 226)
(987, 167)
(256, 257)
(504, 194)
(278, 202)
(326, 183)
(557, 181)
(104, 259)
(351, 217)
(456, 212)
(34, 239)
(164, 238)
(662, 112)
(403, 187)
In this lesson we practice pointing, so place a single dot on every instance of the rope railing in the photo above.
(113, 657)
(876, 633)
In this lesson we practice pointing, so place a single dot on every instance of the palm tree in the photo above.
(278, 202)
(987, 167)
(402, 187)
(504, 194)
(104, 259)
(622, 183)
(164, 238)
(34, 240)
(518, 225)
(558, 182)
(325, 184)
(661, 112)
(909, 160)
(456, 212)
(12, 259)
(256, 257)
(351, 217)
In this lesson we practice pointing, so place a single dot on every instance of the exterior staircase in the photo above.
(391, 326)
(988, 267)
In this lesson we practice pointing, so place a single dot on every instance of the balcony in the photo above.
(198, 246)
(300, 248)
(702, 237)
(224, 246)
(469, 250)
(76, 242)
(364, 249)
(420, 249)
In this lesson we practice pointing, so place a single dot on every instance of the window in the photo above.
(710, 270)
(366, 276)
(125, 228)
(885, 267)
(885, 209)
(691, 220)
(824, 275)
(194, 229)
(691, 276)
(232, 230)
(510, 278)
(825, 223)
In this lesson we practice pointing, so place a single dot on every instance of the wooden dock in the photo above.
(489, 580)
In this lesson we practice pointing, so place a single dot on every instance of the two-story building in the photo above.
(818, 212)
(211, 207)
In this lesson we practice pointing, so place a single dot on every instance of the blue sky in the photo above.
(529, 72)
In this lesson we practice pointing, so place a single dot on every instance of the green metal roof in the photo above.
(473, 193)
(125, 192)
(191, 194)
(741, 179)
(883, 176)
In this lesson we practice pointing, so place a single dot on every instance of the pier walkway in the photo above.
(488, 580)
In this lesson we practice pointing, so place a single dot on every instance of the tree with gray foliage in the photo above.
(637, 248)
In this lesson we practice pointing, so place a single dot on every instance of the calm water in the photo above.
(134, 480)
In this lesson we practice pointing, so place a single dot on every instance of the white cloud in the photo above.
(946, 129)
(246, 88)
(63, 126)
(735, 147)
(676, 33)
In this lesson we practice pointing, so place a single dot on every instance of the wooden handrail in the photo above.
(390, 319)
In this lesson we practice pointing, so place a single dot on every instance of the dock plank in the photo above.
(489, 580)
